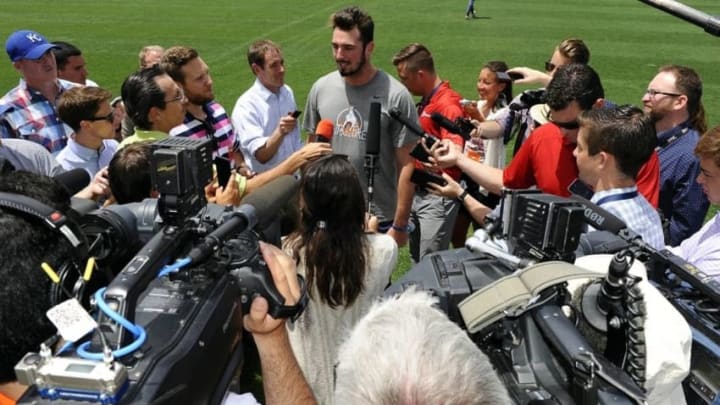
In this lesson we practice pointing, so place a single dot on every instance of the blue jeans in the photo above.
(470, 8)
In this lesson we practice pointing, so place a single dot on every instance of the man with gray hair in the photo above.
(405, 351)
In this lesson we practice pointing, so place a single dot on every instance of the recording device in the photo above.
(179, 298)
(423, 177)
(223, 167)
(372, 150)
(695, 294)
(180, 170)
(508, 76)
(578, 187)
(296, 113)
(418, 151)
(324, 131)
(542, 226)
(503, 76)
(536, 349)
(527, 99)
(461, 126)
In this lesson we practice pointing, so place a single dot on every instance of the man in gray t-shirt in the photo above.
(344, 97)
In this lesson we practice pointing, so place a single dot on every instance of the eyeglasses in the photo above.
(110, 117)
(653, 93)
(549, 66)
(180, 97)
(570, 125)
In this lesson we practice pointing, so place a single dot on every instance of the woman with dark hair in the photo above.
(495, 92)
(345, 267)
(494, 89)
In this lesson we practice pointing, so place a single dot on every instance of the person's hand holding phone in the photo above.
(288, 122)
(525, 75)
(451, 189)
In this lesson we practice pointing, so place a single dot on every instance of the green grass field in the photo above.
(628, 39)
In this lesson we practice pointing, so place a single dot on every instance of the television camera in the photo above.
(515, 292)
(173, 308)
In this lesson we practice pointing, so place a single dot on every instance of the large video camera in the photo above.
(509, 289)
(168, 324)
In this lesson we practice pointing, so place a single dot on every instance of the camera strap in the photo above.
(513, 294)
(292, 311)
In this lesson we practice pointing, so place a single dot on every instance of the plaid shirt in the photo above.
(26, 113)
(635, 211)
(217, 127)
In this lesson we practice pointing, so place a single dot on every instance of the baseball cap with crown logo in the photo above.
(26, 44)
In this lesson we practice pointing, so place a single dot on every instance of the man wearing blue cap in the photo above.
(28, 111)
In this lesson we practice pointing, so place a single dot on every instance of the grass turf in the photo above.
(628, 39)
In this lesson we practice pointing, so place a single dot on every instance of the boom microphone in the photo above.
(258, 206)
(600, 218)
(710, 24)
(324, 131)
(372, 143)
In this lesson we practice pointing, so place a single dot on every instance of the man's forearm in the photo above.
(490, 129)
(405, 192)
(489, 177)
(272, 144)
(283, 380)
(288, 166)
(405, 188)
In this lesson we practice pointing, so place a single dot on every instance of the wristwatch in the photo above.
(462, 196)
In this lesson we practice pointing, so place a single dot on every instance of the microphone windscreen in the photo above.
(324, 131)
(372, 143)
(599, 217)
(269, 199)
(74, 180)
(445, 123)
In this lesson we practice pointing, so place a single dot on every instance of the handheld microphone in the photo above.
(412, 126)
(418, 152)
(450, 126)
(372, 143)
(372, 150)
(258, 206)
(324, 131)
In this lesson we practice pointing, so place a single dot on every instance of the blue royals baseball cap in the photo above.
(25, 44)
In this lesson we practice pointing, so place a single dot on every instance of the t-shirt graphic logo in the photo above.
(350, 124)
(33, 37)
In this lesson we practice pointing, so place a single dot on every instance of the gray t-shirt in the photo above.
(29, 156)
(348, 107)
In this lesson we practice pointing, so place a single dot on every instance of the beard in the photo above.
(654, 114)
(199, 99)
(349, 70)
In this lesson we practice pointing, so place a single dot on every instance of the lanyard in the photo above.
(426, 100)
(682, 130)
(617, 197)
